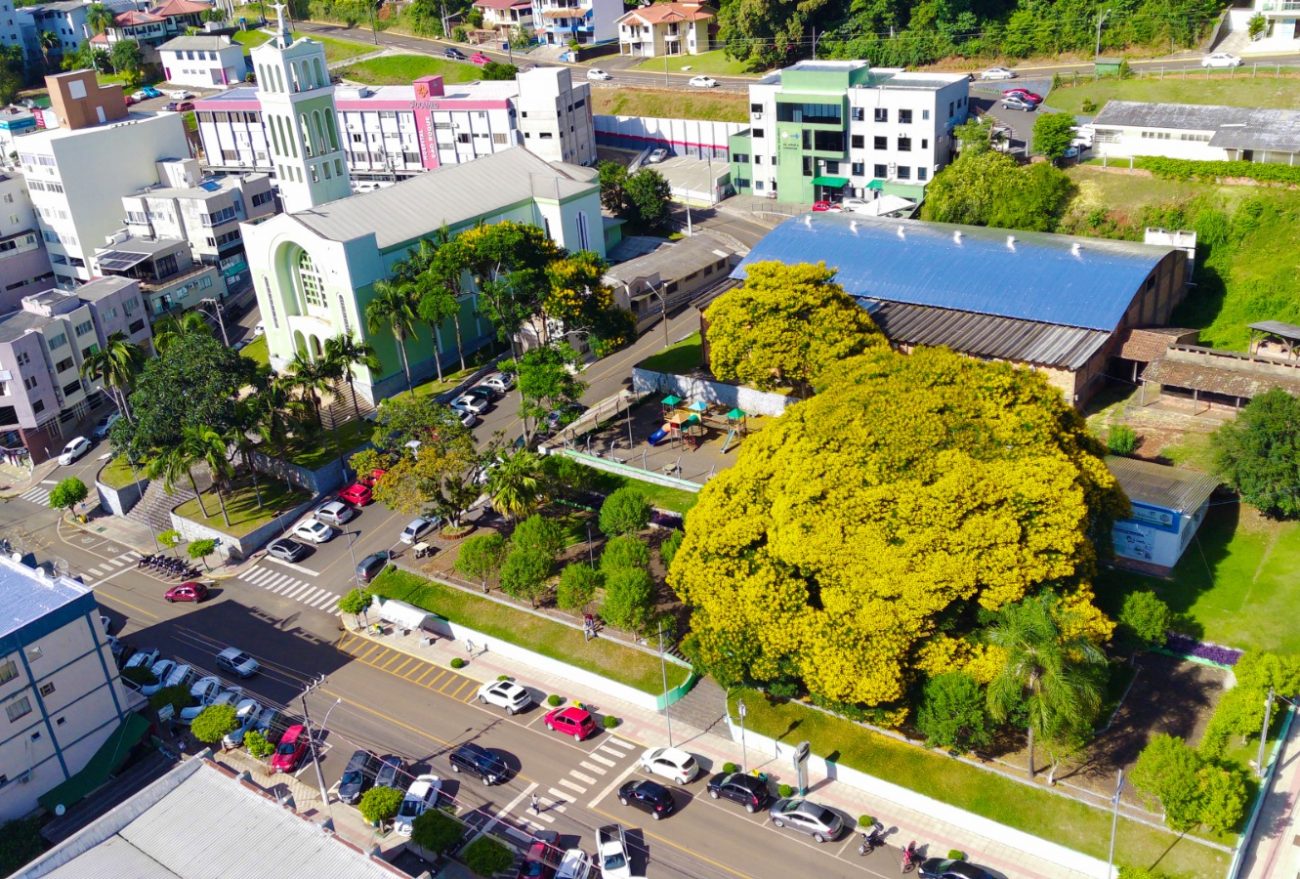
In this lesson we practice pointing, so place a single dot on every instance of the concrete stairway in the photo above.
(704, 707)
(342, 407)
(154, 509)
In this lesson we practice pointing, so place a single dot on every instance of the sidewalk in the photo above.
(1274, 847)
(650, 729)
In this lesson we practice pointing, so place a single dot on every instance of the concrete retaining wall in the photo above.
(909, 799)
(238, 547)
(119, 501)
(322, 480)
(748, 400)
(685, 137)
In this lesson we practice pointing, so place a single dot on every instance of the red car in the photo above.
(292, 748)
(374, 477)
(537, 863)
(358, 494)
(190, 591)
(820, 207)
(479, 58)
(571, 721)
(1023, 93)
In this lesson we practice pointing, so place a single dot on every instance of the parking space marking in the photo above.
(401, 668)
(460, 691)
(432, 670)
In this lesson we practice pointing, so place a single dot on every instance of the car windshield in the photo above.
(409, 808)
(615, 861)
(353, 777)
(285, 748)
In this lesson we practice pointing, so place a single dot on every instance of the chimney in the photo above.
(1011, 242)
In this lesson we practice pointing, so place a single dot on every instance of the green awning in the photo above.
(671, 400)
(107, 760)
(877, 185)
(735, 414)
(832, 182)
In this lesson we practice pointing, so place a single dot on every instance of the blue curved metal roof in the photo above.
(1059, 279)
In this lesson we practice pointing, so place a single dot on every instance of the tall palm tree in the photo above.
(238, 437)
(342, 353)
(514, 485)
(207, 445)
(49, 41)
(173, 463)
(175, 330)
(116, 364)
(392, 307)
(444, 261)
(1052, 675)
(311, 378)
(98, 18)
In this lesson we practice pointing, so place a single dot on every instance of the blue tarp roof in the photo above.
(1059, 279)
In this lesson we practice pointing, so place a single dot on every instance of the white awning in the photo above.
(399, 613)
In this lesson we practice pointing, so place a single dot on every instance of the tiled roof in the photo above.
(135, 16)
(660, 13)
(1226, 373)
(1146, 344)
(501, 4)
(181, 7)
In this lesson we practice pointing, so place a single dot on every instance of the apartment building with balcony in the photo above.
(678, 28)
(24, 264)
(171, 280)
(561, 22)
(835, 129)
(43, 397)
(504, 16)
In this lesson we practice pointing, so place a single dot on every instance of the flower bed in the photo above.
(1181, 645)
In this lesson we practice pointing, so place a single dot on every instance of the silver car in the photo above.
(807, 817)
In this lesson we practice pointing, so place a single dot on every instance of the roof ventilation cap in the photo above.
(900, 232)
(1076, 249)
(853, 226)
(1011, 242)
(807, 220)
(956, 236)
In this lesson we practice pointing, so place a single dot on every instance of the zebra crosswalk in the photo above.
(38, 494)
(113, 565)
(289, 586)
(579, 780)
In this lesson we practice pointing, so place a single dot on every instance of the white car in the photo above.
(857, 206)
(142, 659)
(502, 381)
(467, 419)
(574, 865)
(168, 674)
(259, 329)
(470, 403)
(249, 715)
(313, 530)
(505, 694)
(702, 82)
(180, 95)
(218, 696)
(656, 156)
(335, 513)
(998, 73)
(420, 796)
(611, 853)
(599, 75)
(1083, 136)
(74, 450)
(672, 763)
(415, 529)
(1221, 59)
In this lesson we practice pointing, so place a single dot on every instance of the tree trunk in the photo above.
(252, 471)
(406, 366)
(221, 501)
(197, 494)
(1030, 732)
(356, 407)
(437, 355)
(460, 344)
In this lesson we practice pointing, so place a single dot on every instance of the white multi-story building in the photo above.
(62, 696)
(676, 28)
(202, 60)
(505, 16)
(560, 22)
(11, 33)
(392, 132)
(77, 173)
(66, 19)
(24, 264)
(831, 129)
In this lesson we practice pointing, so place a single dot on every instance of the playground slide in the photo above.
(658, 436)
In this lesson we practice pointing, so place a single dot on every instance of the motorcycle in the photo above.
(870, 842)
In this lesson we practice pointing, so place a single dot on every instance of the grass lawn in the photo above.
(335, 49)
(1233, 89)
(402, 69)
(1043, 814)
(715, 62)
(241, 505)
(256, 351)
(701, 104)
(676, 359)
(600, 655)
(1194, 452)
(251, 38)
(327, 446)
(675, 500)
(117, 473)
(1235, 583)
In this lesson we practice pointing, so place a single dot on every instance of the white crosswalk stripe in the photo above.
(289, 586)
(618, 743)
(581, 777)
(573, 786)
(602, 760)
(558, 794)
(592, 767)
(37, 495)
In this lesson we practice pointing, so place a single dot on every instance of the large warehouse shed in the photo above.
(1058, 303)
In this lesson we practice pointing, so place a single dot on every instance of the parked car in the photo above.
(947, 868)
(573, 865)
(537, 862)
(391, 771)
(572, 721)
(210, 691)
(371, 479)
(599, 75)
(740, 787)
(335, 513)
(671, 763)
(486, 396)
(105, 424)
(372, 565)
(1016, 102)
(493, 393)
(648, 796)
(293, 746)
(188, 591)
(150, 92)
(179, 106)
(807, 817)
(656, 156)
(287, 549)
(502, 381)
(858, 205)
(453, 53)
(478, 760)
(1032, 97)
(821, 207)
(611, 852)
(237, 662)
(358, 494)
(167, 673)
(74, 450)
(180, 94)
(358, 775)
(702, 82)
(314, 531)
(470, 403)
(479, 58)
(138, 95)
(420, 796)
(467, 418)
(1221, 59)
(505, 694)
(1083, 136)
(416, 528)
(131, 100)
(565, 415)
(249, 715)
(998, 73)
(141, 659)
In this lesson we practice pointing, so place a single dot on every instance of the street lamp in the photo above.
(663, 305)
(1100, 20)
(315, 752)
(663, 668)
(216, 312)
(742, 711)
(1114, 822)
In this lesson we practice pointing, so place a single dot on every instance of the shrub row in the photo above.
(1191, 169)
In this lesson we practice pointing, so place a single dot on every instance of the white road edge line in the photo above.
(612, 785)
(299, 568)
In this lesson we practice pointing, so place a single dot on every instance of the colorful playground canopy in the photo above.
(671, 400)
(735, 414)
(698, 406)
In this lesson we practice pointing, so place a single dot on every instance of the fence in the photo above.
(645, 381)
(685, 137)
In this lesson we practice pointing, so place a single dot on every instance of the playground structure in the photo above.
(687, 425)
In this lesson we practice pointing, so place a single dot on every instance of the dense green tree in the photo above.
(784, 325)
(311, 377)
(392, 308)
(442, 265)
(201, 549)
(624, 511)
(524, 573)
(213, 723)
(481, 556)
(613, 179)
(437, 832)
(487, 857)
(1240, 711)
(68, 493)
(766, 33)
(128, 60)
(624, 551)
(355, 602)
(258, 745)
(546, 380)
(514, 485)
(380, 804)
(975, 135)
(496, 70)
(343, 353)
(1053, 133)
(1145, 618)
(647, 194)
(11, 83)
(579, 299)
(577, 587)
(1258, 453)
(204, 445)
(539, 533)
(508, 263)
(954, 713)
(629, 599)
(1224, 793)
(438, 476)
(98, 18)
(178, 330)
(989, 189)
(668, 549)
(910, 491)
(1166, 772)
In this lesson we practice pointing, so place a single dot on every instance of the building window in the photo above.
(859, 168)
(756, 110)
(905, 117)
(925, 143)
(880, 172)
(925, 115)
(84, 327)
(882, 114)
(136, 326)
(857, 141)
(904, 172)
(310, 284)
(38, 406)
(16, 708)
(832, 167)
(921, 173)
(47, 688)
(859, 114)
(583, 243)
(71, 388)
(904, 144)
(880, 143)
(64, 365)
(8, 671)
(758, 133)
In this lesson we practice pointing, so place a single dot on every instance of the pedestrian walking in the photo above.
(536, 804)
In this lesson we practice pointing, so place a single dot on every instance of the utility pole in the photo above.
(742, 711)
(1263, 733)
(1114, 822)
(315, 755)
(216, 312)
(1100, 20)
(374, 29)
(663, 668)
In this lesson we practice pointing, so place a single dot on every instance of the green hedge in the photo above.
(1190, 169)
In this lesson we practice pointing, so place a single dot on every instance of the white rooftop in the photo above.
(26, 594)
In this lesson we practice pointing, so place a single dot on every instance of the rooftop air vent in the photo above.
(1076, 249)
(807, 221)
(956, 236)
(1011, 242)
(853, 226)
(900, 232)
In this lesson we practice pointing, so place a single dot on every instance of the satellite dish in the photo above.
(60, 809)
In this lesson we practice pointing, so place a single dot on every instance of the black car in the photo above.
(648, 796)
(370, 566)
(488, 391)
(454, 54)
(288, 550)
(944, 868)
(391, 772)
(748, 790)
(359, 775)
(481, 393)
(478, 760)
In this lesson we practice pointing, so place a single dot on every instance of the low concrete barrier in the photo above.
(749, 400)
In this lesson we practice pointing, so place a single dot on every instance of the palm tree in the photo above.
(246, 418)
(173, 463)
(311, 378)
(1050, 674)
(514, 485)
(98, 18)
(392, 306)
(49, 41)
(116, 365)
(174, 330)
(444, 262)
(342, 353)
(207, 445)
